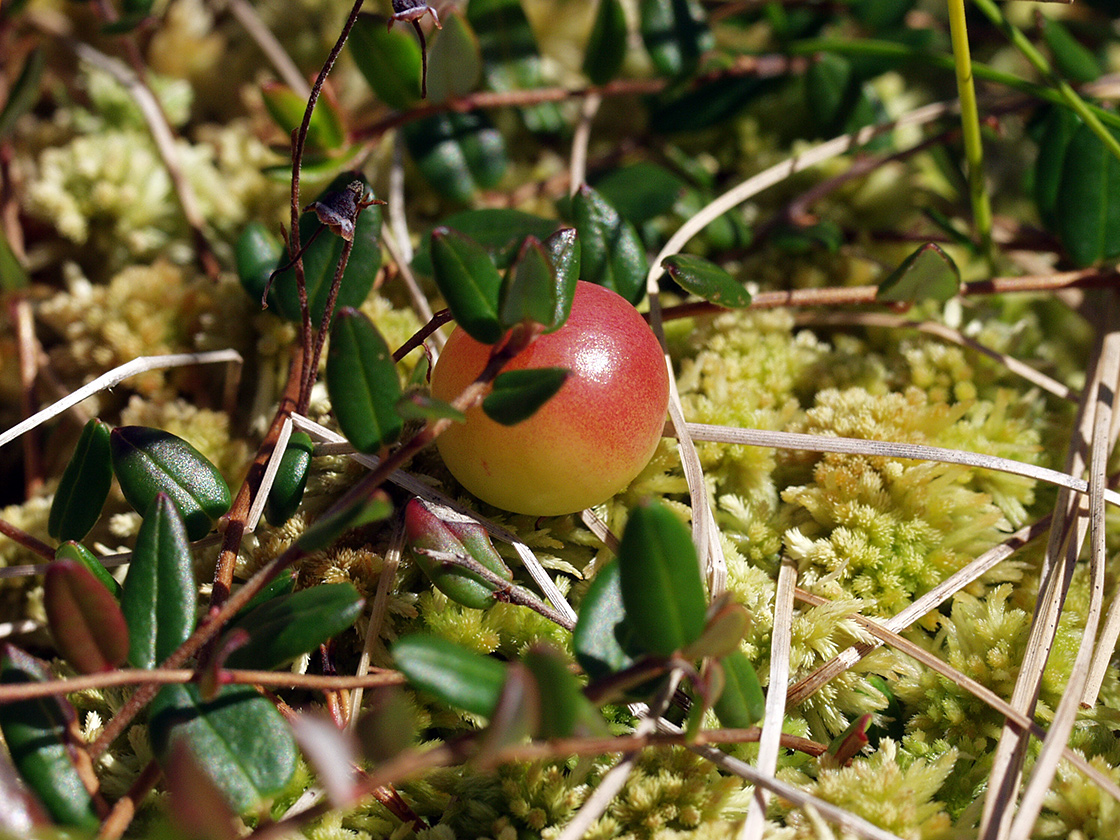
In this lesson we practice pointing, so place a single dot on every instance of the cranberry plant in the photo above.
(523, 577)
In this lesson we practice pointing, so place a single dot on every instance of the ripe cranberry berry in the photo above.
(585, 444)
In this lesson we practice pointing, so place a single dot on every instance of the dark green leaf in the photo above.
(326, 528)
(802, 239)
(927, 274)
(741, 704)
(13, 276)
(564, 711)
(534, 290)
(1088, 202)
(247, 748)
(675, 33)
(603, 642)
(1058, 127)
(606, 48)
(257, 253)
(389, 60)
(709, 104)
(457, 153)
(159, 595)
(510, 57)
(469, 282)
(320, 262)
(830, 91)
(641, 191)
(324, 132)
(290, 480)
(362, 382)
(295, 624)
(455, 60)
(80, 554)
(611, 253)
(1073, 61)
(86, 622)
(706, 280)
(500, 231)
(450, 673)
(283, 584)
(431, 528)
(660, 580)
(37, 735)
(563, 253)
(517, 394)
(149, 461)
(24, 92)
(84, 485)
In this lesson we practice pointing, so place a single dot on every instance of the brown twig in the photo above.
(33, 544)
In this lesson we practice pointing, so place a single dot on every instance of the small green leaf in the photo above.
(927, 274)
(324, 132)
(158, 599)
(433, 528)
(603, 642)
(660, 580)
(455, 60)
(802, 239)
(741, 704)
(458, 153)
(606, 48)
(324, 530)
(290, 480)
(1088, 202)
(362, 382)
(711, 103)
(320, 261)
(389, 60)
(1058, 127)
(641, 191)
(723, 632)
(149, 461)
(78, 553)
(706, 280)
(847, 744)
(450, 673)
(469, 282)
(85, 620)
(291, 625)
(257, 252)
(611, 253)
(24, 91)
(564, 711)
(37, 735)
(517, 394)
(1073, 61)
(499, 231)
(13, 276)
(830, 91)
(84, 485)
(675, 33)
(535, 290)
(248, 747)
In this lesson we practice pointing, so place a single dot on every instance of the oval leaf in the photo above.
(1088, 202)
(159, 594)
(320, 261)
(518, 394)
(741, 704)
(289, 626)
(534, 290)
(455, 60)
(927, 274)
(1074, 62)
(450, 673)
(249, 750)
(290, 480)
(606, 48)
(85, 620)
(324, 132)
(564, 711)
(611, 253)
(150, 461)
(469, 282)
(602, 640)
(257, 251)
(362, 382)
(457, 153)
(675, 33)
(660, 580)
(706, 280)
(327, 528)
(84, 485)
(37, 735)
(1058, 128)
(389, 59)
(499, 231)
(78, 553)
